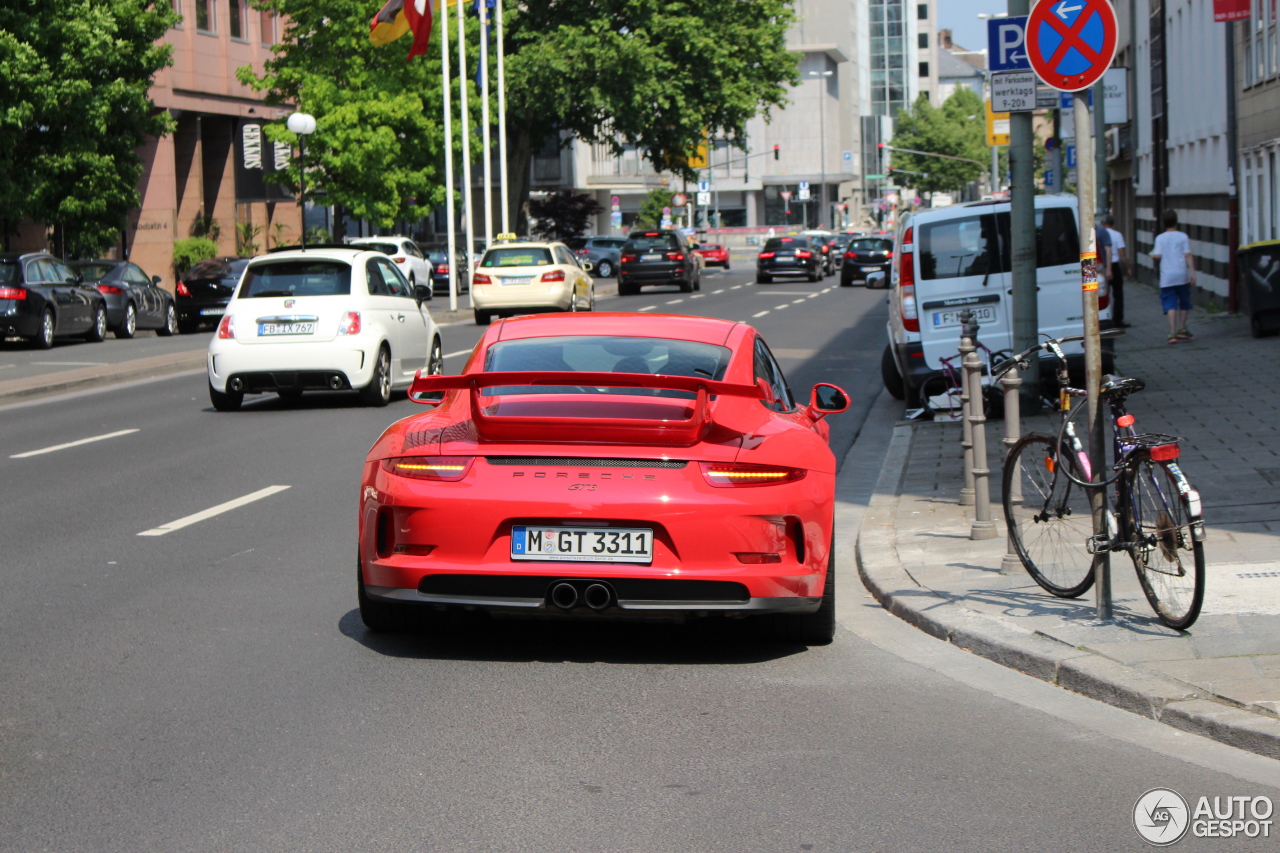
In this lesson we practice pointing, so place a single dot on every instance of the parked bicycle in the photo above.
(940, 394)
(1157, 518)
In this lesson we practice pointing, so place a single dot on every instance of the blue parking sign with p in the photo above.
(1006, 44)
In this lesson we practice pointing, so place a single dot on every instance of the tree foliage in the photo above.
(562, 214)
(650, 215)
(74, 107)
(957, 128)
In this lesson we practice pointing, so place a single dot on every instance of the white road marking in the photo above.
(188, 520)
(674, 301)
(760, 314)
(819, 293)
(73, 363)
(456, 354)
(698, 296)
(714, 292)
(648, 307)
(801, 299)
(72, 444)
(828, 290)
(735, 287)
(779, 307)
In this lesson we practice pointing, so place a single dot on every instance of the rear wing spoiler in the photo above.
(602, 430)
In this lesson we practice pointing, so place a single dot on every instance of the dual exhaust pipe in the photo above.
(596, 595)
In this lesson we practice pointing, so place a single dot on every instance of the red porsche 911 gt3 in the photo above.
(606, 466)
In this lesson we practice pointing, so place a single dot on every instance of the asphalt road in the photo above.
(19, 360)
(213, 688)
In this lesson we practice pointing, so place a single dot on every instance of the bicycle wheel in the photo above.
(1168, 559)
(1048, 516)
(939, 397)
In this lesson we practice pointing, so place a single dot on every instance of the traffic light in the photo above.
(776, 149)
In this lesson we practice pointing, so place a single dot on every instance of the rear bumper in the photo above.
(787, 269)
(268, 366)
(202, 311)
(855, 270)
(639, 275)
(18, 319)
(496, 297)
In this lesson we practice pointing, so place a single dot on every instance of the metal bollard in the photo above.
(983, 527)
(1012, 382)
(968, 332)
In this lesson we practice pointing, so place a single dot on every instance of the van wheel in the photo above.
(892, 378)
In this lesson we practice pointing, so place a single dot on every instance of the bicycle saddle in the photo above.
(1114, 385)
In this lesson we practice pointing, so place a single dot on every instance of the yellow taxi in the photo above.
(519, 276)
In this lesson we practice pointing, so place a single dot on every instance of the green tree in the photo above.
(650, 215)
(562, 214)
(74, 107)
(659, 74)
(957, 128)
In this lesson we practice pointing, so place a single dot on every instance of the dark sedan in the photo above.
(789, 256)
(205, 290)
(41, 298)
(438, 255)
(866, 255)
(134, 301)
(658, 257)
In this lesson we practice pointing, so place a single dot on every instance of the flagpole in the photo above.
(452, 257)
(466, 147)
(502, 128)
(483, 7)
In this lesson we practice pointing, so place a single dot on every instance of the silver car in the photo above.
(602, 251)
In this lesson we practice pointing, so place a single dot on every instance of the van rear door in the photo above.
(1058, 303)
(959, 265)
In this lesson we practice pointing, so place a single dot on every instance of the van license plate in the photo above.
(981, 314)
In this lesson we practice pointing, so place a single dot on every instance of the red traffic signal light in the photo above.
(776, 148)
(879, 144)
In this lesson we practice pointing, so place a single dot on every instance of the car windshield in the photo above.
(384, 248)
(872, 245)
(93, 272)
(297, 278)
(651, 243)
(786, 244)
(607, 354)
(529, 257)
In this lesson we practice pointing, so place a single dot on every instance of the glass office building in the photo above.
(890, 90)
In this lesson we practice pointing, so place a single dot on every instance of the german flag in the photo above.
(398, 17)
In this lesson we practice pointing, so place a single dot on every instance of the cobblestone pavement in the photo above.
(1221, 394)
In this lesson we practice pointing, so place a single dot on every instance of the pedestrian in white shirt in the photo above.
(1172, 252)
(1119, 269)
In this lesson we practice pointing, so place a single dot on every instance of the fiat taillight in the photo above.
(227, 328)
(446, 468)
(733, 474)
(398, 260)
(350, 324)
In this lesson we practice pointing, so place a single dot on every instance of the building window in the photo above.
(177, 7)
(1271, 194)
(205, 16)
(267, 23)
(922, 41)
(922, 12)
(924, 69)
(238, 23)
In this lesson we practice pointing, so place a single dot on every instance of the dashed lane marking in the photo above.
(735, 287)
(89, 440)
(761, 313)
(188, 520)
(780, 307)
(801, 299)
(674, 301)
(456, 354)
(698, 296)
(648, 308)
(819, 293)
(714, 292)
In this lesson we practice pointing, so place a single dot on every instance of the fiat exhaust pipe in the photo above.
(335, 382)
(597, 596)
(564, 596)
(236, 385)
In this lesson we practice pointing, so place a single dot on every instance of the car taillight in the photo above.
(849, 255)
(182, 289)
(398, 260)
(675, 256)
(227, 328)
(825, 249)
(730, 475)
(888, 256)
(626, 259)
(907, 283)
(767, 254)
(554, 275)
(757, 558)
(13, 293)
(1165, 452)
(447, 468)
(801, 253)
(583, 252)
(443, 269)
(481, 278)
(110, 289)
(350, 324)
(1104, 293)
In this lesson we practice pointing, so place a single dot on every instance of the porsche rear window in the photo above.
(607, 354)
(297, 278)
(533, 257)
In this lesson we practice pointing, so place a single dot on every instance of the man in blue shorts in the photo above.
(1172, 254)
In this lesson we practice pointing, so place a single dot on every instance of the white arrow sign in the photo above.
(1063, 9)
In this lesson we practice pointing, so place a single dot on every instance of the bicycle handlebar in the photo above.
(1053, 345)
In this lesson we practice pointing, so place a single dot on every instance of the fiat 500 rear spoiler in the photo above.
(683, 431)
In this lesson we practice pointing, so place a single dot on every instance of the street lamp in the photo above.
(304, 125)
(822, 142)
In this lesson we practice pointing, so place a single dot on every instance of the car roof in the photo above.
(706, 330)
(991, 205)
(327, 253)
(525, 244)
(111, 262)
(17, 256)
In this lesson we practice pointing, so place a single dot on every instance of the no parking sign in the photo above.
(1071, 43)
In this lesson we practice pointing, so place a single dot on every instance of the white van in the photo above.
(958, 257)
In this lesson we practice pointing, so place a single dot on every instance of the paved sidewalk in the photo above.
(1221, 393)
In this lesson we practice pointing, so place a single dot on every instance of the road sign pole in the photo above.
(1022, 238)
(1089, 270)
(1100, 147)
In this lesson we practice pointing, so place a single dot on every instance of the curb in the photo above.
(1156, 697)
(107, 374)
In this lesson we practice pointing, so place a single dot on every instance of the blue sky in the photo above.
(961, 17)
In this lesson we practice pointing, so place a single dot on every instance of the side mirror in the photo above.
(155, 279)
(876, 279)
(78, 278)
(587, 266)
(422, 293)
(827, 399)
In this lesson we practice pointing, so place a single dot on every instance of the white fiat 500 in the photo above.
(322, 319)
